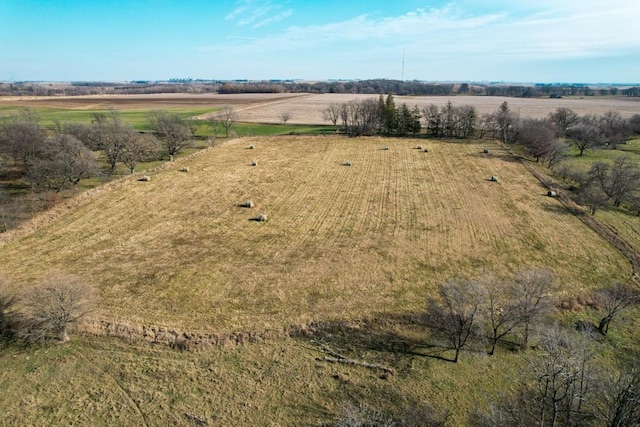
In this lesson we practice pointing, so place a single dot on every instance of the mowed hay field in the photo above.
(341, 243)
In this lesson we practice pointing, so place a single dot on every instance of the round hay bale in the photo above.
(250, 147)
(485, 150)
(261, 218)
(248, 204)
(254, 163)
(347, 163)
(494, 178)
(184, 169)
(145, 178)
(419, 147)
(385, 148)
(426, 150)
(552, 193)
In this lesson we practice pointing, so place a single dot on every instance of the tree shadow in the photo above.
(495, 154)
(556, 208)
(392, 335)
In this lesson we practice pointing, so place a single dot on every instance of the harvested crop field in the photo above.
(340, 243)
(307, 108)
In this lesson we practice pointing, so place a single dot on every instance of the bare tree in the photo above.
(63, 162)
(332, 113)
(111, 136)
(619, 180)
(60, 301)
(21, 138)
(172, 129)
(538, 137)
(583, 135)
(615, 129)
(362, 117)
(502, 312)
(564, 119)
(532, 293)
(486, 126)
(563, 377)
(556, 153)
(613, 300)
(455, 312)
(285, 116)
(620, 399)
(142, 148)
(227, 117)
(591, 195)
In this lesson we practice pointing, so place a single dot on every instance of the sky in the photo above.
(590, 41)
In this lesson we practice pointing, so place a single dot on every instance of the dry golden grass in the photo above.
(341, 243)
(102, 382)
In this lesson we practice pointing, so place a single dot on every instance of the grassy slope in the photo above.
(341, 243)
(624, 222)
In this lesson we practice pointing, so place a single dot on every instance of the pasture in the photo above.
(347, 256)
(341, 243)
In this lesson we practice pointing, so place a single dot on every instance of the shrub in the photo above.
(52, 307)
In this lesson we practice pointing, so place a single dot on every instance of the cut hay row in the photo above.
(340, 243)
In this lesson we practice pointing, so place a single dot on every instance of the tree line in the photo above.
(370, 86)
(564, 384)
(547, 140)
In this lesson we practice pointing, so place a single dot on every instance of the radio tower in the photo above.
(402, 79)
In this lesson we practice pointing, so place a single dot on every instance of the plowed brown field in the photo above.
(307, 108)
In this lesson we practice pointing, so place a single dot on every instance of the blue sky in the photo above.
(492, 40)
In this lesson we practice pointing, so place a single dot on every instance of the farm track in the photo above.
(605, 232)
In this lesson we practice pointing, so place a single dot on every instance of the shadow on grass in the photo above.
(392, 336)
(558, 208)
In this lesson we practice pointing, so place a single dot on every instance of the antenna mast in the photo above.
(402, 65)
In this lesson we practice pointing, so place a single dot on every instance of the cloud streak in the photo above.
(455, 41)
(257, 14)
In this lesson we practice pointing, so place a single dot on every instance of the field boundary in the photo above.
(44, 218)
(606, 233)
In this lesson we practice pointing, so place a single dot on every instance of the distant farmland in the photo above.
(341, 242)
(307, 108)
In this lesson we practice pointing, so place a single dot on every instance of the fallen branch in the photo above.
(339, 358)
(196, 418)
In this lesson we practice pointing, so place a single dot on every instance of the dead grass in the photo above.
(340, 243)
(105, 382)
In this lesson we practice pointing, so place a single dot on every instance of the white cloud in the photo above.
(257, 13)
(275, 18)
(456, 35)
